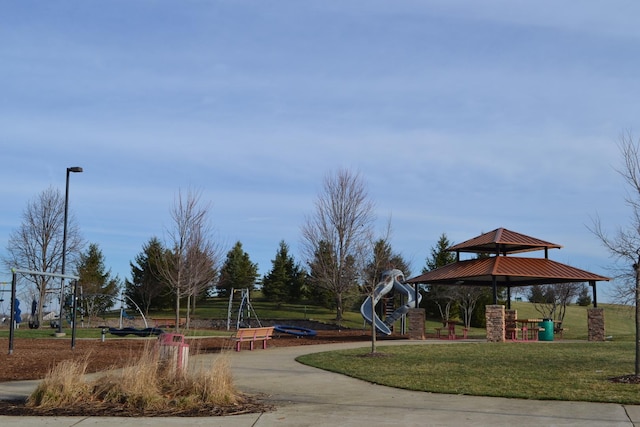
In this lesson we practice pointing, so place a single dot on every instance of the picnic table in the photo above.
(530, 329)
(451, 331)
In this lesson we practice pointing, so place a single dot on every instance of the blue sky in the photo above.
(462, 116)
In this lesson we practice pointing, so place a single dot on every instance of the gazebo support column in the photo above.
(417, 317)
(595, 324)
(495, 323)
(494, 285)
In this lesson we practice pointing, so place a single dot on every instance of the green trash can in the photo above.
(547, 334)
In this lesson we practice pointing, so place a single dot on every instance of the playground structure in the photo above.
(245, 310)
(122, 331)
(295, 330)
(3, 314)
(391, 280)
(15, 312)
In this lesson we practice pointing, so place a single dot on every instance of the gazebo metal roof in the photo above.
(502, 241)
(500, 270)
(507, 271)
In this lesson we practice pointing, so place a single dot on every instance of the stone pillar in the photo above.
(495, 323)
(510, 317)
(595, 323)
(416, 318)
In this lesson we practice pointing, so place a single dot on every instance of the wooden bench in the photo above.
(512, 333)
(168, 322)
(560, 330)
(252, 335)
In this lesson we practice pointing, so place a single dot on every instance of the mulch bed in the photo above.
(33, 358)
(626, 379)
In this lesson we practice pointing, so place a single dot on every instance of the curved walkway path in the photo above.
(306, 396)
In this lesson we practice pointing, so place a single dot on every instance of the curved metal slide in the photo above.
(391, 280)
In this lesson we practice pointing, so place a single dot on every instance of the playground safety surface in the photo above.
(306, 396)
(31, 359)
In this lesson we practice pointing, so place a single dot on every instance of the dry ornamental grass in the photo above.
(145, 387)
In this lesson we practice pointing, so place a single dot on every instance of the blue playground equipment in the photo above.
(295, 330)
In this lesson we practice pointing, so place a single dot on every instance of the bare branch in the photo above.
(336, 238)
(192, 257)
(37, 244)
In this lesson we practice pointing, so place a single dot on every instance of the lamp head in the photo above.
(74, 169)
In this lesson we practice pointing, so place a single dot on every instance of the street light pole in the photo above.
(64, 242)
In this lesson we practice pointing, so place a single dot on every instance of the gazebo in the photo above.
(496, 267)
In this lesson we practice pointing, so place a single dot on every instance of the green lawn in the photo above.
(559, 370)
(546, 371)
(619, 320)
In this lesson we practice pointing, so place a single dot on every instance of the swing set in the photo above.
(15, 313)
(245, 310)
(3, 319)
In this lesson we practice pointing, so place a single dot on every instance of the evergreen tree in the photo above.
(537, 295)
(439, 255)
(145, 288)
(99, 288)
(440, 295)
(584, 298)
(238, 271)
(384, 259)
(322, 261)
(285, 280)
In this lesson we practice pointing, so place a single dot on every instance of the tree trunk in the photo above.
(42, 295)
(373, 323)
(637, 363)
(339, 307)
(177, 327)
(188, 312)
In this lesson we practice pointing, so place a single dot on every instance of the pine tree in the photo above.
(440, 295)
(285, 280)
(99, 289)
(439, 255)
(384, 259)
(238, 272)
(145, 288)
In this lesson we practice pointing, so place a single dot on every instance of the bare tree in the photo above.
(191, 259)
(624, 245)
(468, 297)
(37, 244)
(555, 298)
(336, 238)
(202, 265)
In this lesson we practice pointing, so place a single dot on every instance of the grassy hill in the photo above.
(619, 320)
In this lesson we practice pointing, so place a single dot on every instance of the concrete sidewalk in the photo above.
(306, 396)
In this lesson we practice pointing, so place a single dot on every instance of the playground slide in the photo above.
(365, 310)
(382, 288)
(391, 280)
(409, 293)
